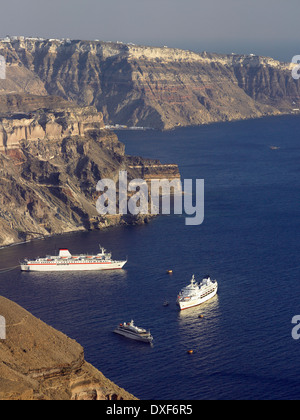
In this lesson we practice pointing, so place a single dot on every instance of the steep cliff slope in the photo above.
(155, 87)
(38, 362)
(50, 163)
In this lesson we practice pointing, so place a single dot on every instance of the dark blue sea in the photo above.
(249, 242)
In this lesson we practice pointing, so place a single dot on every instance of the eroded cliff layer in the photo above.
(153, 87)
(38, 362)
(65, 120)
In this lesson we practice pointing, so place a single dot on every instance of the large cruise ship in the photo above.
(194, 294)
(65, 261)
(133, 332)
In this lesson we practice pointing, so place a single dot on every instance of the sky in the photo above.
(264, 27)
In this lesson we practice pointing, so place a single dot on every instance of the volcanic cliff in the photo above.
(38, 362)
(59, 95)
(51, 160)
(148, 86)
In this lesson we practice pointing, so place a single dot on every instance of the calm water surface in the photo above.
(249, 242)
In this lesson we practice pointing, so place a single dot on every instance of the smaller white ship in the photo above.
(129, 330)
(194, 294)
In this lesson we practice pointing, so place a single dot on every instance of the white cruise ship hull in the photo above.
(185, 304)
(73, 266)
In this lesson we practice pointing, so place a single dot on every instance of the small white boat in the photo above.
(129, 330)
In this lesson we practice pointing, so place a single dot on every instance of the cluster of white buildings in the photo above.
(9, 38)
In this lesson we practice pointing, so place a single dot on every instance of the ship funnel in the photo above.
(64, 253)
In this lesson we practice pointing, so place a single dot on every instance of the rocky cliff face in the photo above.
(55, 124)
(50, 164)
(155, 87)
(38, 362)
